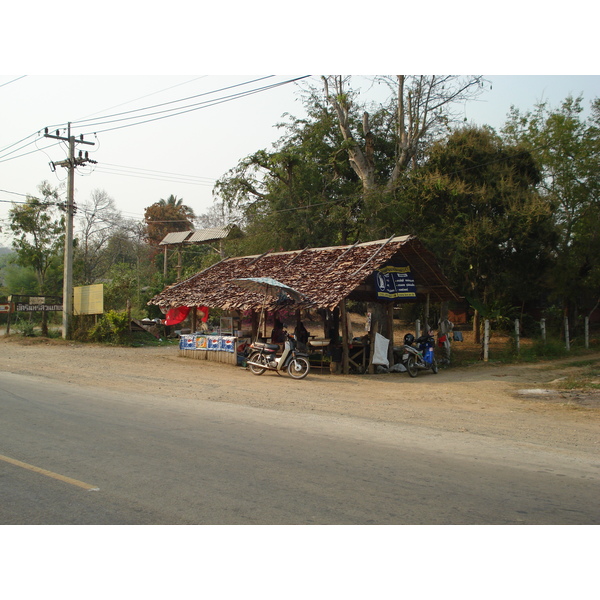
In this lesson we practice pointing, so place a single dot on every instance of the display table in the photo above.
(216, 348)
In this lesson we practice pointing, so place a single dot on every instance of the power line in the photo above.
(207, 179)
(12, 81)
(190, 108)
(166, 103)
(142, 97)
(153, 178)
(182, 110)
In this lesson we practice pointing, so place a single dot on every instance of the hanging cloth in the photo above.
(176, 315)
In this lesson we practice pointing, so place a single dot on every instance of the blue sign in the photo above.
(395, 283)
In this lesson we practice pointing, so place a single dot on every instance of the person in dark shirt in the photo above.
(278, 335)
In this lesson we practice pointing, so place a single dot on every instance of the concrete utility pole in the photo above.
(70, 165)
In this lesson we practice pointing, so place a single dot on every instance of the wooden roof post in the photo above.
(345, 341)
(390, 329)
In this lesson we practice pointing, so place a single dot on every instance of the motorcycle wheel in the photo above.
(434, 366)
(298, 368)
(411, 366)
(257, 358)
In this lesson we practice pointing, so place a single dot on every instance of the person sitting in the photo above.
(301, 334)
(278, 334)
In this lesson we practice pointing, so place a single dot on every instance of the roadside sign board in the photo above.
(36, 303)
(4, 308)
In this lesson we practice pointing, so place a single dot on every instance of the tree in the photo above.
(38, 239)
(166, 216)
(420, 109)
(99, 219)
(567, 148)
(474, 205)
(301, 193)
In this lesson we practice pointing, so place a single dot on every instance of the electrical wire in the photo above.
(189, 108)
(21, 147)
(141, 98)
(12, 80)
(165, 103)
(5, 157)
(208, 179)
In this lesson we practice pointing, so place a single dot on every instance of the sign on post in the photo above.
(36, 303)
(395, 283)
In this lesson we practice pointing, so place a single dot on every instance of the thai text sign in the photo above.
(395, 283)
(37, 303)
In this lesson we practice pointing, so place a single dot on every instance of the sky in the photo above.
(224, 119)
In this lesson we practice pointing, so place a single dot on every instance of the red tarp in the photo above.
(176, 315)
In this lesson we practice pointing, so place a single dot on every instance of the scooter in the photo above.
(263, 357)
(421, 358)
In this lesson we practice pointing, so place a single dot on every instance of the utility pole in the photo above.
(70, 165)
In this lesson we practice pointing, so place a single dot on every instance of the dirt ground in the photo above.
(520, 403)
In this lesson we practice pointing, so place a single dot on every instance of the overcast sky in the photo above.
(114, 55)
(138, 164)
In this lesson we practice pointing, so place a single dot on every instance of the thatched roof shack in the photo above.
(326, 276)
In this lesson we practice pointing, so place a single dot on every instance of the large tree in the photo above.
(421, 108)
(302, 192)
(567, 148)
(474, 204)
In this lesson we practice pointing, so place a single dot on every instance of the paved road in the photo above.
(74, 455)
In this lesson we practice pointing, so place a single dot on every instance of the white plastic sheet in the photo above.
(380, 354)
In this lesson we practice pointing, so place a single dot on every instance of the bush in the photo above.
(112, 328)
(25, 328)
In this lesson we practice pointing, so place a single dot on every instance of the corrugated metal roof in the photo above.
(175, 237)
(207, 235)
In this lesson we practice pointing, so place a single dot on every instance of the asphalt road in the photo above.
(75, 455)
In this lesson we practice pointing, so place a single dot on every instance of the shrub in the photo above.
(112, 328)
(25, 328)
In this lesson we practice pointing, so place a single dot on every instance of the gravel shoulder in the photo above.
(518, 403)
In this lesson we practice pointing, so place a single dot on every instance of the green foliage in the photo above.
(25, 327)
(112, 328)
(567, 149)
(38, 237)
(474, 205)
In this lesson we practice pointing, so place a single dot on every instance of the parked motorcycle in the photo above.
(263, 357)
(420, 358)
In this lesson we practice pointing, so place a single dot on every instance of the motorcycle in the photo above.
(263, 357)
(420, 358)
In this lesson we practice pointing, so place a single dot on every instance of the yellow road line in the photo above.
(81, 484)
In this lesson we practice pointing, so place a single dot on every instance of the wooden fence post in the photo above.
(517, 336)
(567, 340)
(587, 332)
(486, 340)
(543, 328)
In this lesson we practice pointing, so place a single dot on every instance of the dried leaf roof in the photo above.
(324, 275)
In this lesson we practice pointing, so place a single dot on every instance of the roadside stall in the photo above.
(381, 273)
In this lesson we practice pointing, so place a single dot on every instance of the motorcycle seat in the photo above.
(265, 346)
